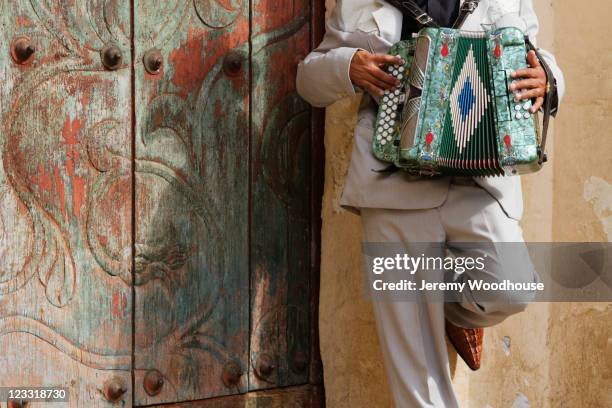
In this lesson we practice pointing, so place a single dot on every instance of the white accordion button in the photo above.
(526, 105)
(519, 115)
(517, 107)
(383, 142)
(526, 115)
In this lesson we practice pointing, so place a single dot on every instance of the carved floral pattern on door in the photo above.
(105, 172)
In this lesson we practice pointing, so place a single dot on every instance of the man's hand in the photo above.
(533, 82)
(366, 72)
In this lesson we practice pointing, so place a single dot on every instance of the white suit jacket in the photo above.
(323, 78)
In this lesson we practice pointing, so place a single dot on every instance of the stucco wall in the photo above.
(560, 355)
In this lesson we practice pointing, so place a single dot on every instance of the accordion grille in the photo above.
(469, 143)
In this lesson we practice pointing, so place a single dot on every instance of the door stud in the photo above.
(153, 61)
(111, 57)
(22, 50)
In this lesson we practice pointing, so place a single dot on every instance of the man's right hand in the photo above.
(367, 73)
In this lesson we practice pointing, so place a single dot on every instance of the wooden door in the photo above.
(65, 199)
(192, 198)
(159, 211)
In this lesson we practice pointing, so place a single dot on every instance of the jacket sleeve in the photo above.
(323, 76)
(527, 20)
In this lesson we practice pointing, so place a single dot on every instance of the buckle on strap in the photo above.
(424, 19)
(469, 6)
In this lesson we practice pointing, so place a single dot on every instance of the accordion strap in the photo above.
(548, 98)
(412, 9)
(467, 8)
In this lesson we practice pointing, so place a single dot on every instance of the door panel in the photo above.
(65, 199)
(281, 157)
(167, 167)
(191, 202)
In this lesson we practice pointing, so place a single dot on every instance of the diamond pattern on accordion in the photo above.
(468, 102)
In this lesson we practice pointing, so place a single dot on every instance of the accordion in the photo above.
(453, 113)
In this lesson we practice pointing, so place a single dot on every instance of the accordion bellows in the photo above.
(453, 113)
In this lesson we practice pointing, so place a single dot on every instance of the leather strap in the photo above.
(467, 8)
(551, 86)
(412, 9)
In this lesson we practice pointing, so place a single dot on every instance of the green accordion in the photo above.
(454, 113)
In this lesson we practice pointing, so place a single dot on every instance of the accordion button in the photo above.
(393, 115)
(527, 105)
(383, 142)
(401, 69)
(526, 115)
(517, 107)
(519, 115)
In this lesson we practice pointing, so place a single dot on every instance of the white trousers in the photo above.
(412, 334)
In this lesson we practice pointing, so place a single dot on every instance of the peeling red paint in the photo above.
(59, 185)
(115, 308)
(43, 179)
(103, 239)
(119, 305)
(71, 131)
(70, 134)
(192, 61)
(78, 194)
(187, 60)
(23, 21)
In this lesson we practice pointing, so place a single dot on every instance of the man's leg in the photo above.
(411, 334)
(472, 215)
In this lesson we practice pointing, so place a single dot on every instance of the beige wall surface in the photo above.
(553, 355)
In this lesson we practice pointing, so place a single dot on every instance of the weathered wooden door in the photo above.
(158, 201)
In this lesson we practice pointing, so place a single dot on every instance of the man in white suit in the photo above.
(407, 209)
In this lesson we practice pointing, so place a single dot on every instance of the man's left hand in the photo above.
(532, 84)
